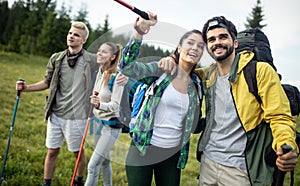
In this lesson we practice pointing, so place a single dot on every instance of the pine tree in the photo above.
(4, 13)
(13, 29)
(106, 27)
(256, 17)
(33, 24)
(57, 26)
(100, 35)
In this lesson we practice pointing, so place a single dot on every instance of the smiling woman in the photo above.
(107, 105)
(161, 133)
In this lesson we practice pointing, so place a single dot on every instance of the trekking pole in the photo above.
(82, 143)
(280, 174)
(134, 9)
(10, 133)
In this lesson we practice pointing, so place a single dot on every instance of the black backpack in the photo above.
(291, 91)
(256, 41)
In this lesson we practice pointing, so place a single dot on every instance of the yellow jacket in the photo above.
(257, 119)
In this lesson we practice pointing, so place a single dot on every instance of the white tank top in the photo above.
(169, 116)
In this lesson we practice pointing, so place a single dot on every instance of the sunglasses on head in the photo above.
(215, 23)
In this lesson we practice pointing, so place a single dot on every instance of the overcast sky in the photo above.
(177, 16)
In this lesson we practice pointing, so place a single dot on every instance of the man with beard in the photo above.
(238, 130)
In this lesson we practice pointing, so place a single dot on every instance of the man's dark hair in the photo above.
(219, 22)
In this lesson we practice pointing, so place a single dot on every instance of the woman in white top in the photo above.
(160, 137)
(106, 109)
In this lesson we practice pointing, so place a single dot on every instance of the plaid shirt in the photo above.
(148, 73)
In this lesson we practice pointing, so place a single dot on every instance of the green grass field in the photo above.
(27, 149)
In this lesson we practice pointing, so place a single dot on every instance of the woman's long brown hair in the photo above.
(116, 49)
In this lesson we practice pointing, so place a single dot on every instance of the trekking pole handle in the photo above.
(19, 91)
(280, 177)
(286, 148)
(134, 9)
(140, 13)
(96, 93)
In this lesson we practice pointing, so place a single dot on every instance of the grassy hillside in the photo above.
(27, 150)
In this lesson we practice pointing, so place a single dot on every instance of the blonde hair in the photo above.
(81, 26)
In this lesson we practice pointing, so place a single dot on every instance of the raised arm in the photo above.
(128, 64)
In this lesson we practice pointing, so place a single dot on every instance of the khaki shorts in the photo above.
(212, 173)
(59, 129)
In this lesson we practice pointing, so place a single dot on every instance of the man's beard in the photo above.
(222, 57)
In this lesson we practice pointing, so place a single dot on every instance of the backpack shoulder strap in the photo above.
(57, 58)
(250, 76)
(150, 90)
(112, 80)
(59, 55)
(143, 95)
